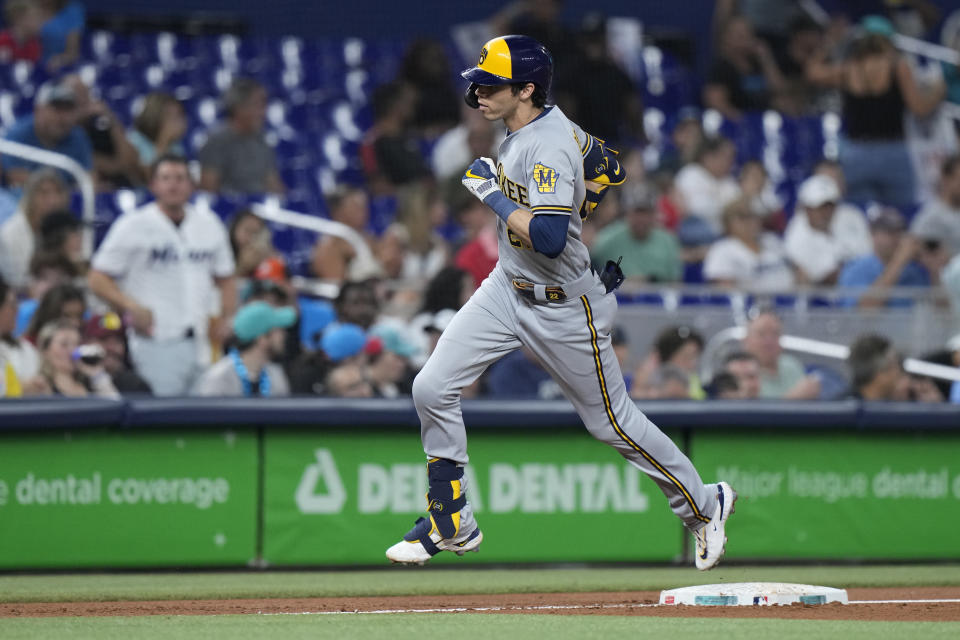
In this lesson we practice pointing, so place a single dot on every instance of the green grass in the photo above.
(426, 581)
(496, 627)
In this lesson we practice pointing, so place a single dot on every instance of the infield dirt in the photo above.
(602, 603)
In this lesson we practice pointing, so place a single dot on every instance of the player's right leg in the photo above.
(480, 333)
(583, 363)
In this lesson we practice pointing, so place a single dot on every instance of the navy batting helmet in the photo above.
(507, 60)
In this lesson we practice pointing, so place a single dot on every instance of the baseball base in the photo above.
(753, 593)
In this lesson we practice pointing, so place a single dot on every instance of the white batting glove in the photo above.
(481, 178)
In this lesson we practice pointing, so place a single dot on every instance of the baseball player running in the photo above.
(543, 295)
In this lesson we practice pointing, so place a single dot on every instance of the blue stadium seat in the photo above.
(322, 87)
(383, 211)
(693, 273)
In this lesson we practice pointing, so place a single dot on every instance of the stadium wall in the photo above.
(215, 483)
(376, 18)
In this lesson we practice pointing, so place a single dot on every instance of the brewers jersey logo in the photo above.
(483, 56)
(545, 177)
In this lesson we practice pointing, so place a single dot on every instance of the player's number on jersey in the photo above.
(516, 241)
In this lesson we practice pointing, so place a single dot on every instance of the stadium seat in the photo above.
(319, 109)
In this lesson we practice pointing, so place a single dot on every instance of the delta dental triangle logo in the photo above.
(325, 470)
(526, 488)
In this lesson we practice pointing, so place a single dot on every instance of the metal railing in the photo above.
(801, 296)
(831, 350)
(926, 49)
(71, 166)
(271, 210)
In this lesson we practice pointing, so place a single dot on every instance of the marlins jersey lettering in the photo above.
(541, 169)
(168, 268)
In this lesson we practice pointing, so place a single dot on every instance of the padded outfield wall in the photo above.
(207, 483)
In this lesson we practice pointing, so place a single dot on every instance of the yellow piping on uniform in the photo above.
(616, 425)
(551, 208)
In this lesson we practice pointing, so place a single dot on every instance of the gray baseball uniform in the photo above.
(559, 309)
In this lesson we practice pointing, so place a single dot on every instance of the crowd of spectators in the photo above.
(174, 301)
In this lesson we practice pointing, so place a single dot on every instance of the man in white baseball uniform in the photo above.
(162, 265)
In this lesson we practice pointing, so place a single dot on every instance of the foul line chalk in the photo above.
(544, 607)
(547, 607)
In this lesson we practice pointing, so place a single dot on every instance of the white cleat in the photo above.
(423, 542)
(408, 552)
(711, 539)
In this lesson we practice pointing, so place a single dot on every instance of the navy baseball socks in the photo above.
(441, 531)
(711, 539)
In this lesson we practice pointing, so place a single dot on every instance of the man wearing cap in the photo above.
(849, 224)
(891, 263)
(107, 332)
(648, 252)
(51, 126)
(249, 370)
(811, 239)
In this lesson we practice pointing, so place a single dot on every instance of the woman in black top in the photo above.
(878, 89)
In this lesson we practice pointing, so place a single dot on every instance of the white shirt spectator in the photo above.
(730, 259)
(704, 195)
(16, 250)
(821, 248)
(166, 268)
(849, 226)
(816, 253)
(819, 254)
